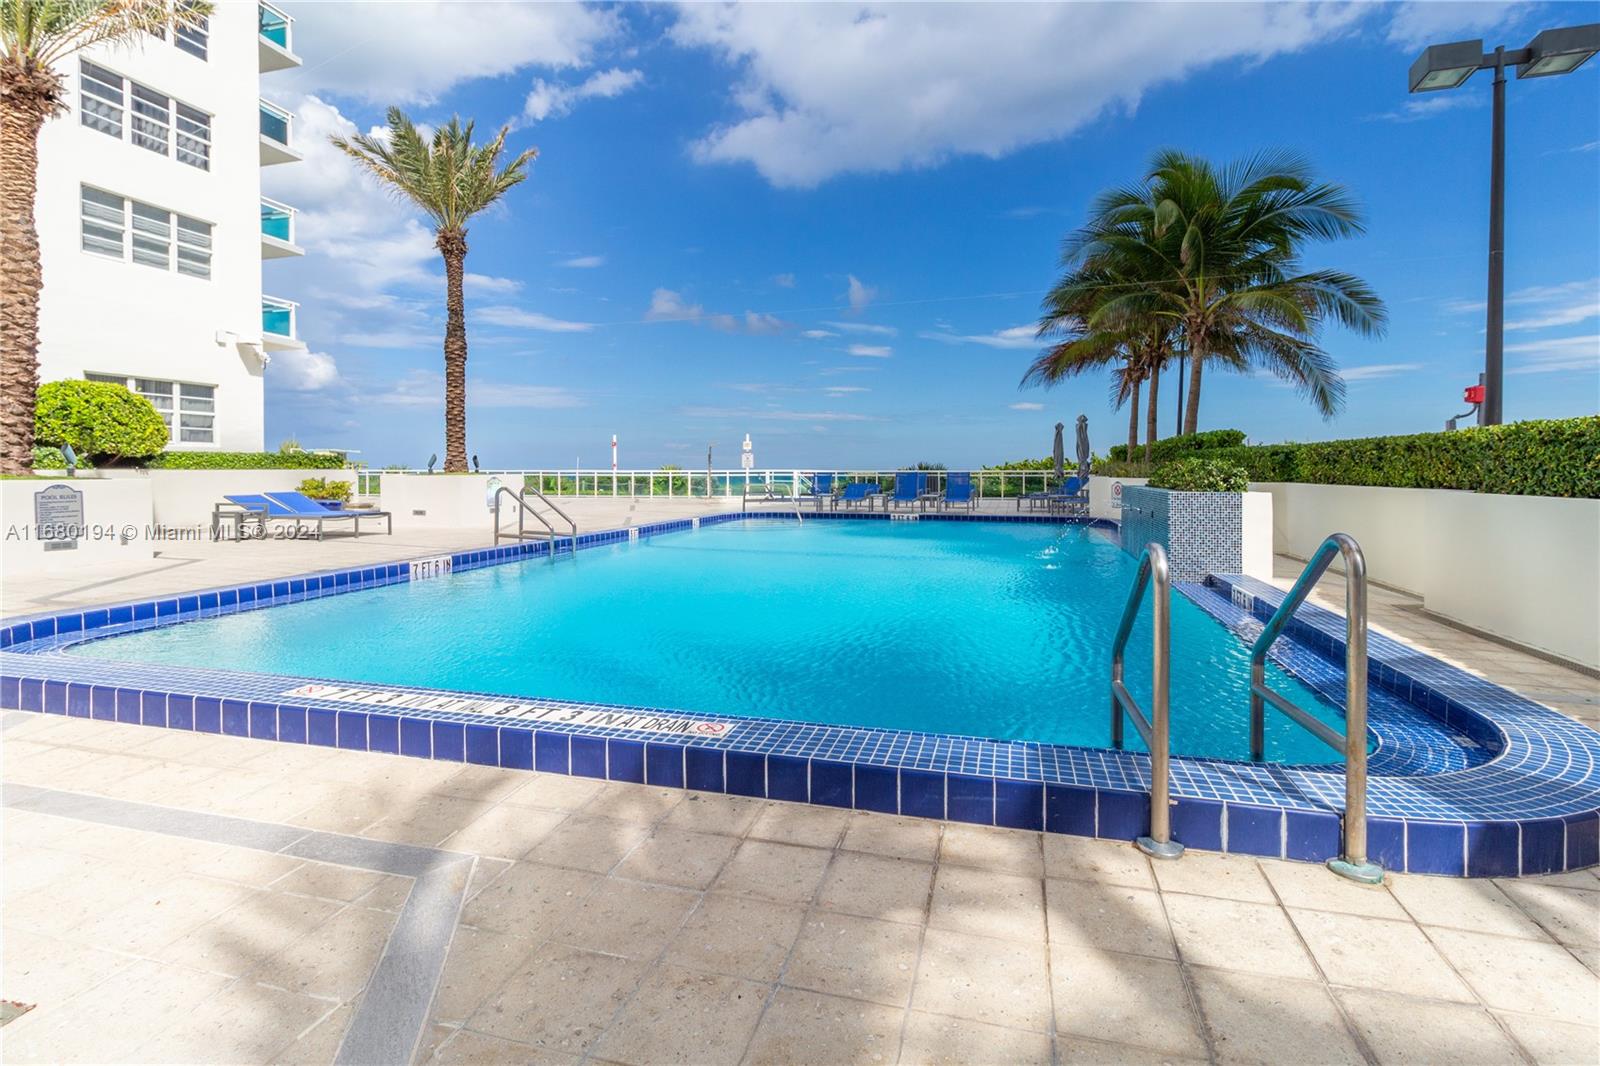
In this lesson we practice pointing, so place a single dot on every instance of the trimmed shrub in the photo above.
(247, 461)
(1171, 448)
(1264, 462)
(1201, 475)
(103, 421)
(53, 459)
(321, 488)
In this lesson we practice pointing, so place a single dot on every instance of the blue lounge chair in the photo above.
(910, 490)
(958, 490)
(821, 489)
(295, 507)
(1071, 497)
(859, 493)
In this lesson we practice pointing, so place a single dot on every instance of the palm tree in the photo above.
(450, 179)
(37, 35)
(1219, 251)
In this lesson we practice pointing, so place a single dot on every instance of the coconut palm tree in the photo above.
(450, 179)
(36, 37)
(1219, 251)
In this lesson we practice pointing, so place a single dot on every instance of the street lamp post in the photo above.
(1446, 66)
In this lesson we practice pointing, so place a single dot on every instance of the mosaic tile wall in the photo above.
(1203, 532)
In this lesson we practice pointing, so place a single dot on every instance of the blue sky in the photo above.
(827, 226)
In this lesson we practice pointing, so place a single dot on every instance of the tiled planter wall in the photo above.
(1203, 532)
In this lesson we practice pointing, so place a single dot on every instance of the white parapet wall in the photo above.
(112, 519)
(185, 498)
(1524, 568)
(441, 501)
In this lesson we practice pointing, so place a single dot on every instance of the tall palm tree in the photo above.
(1221, 250)
(36, 36)
(450, 179)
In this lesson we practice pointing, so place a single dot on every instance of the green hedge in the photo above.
(100, 419)
(47, 458)
(247, 461)
(1170, 448)
(1201, 475)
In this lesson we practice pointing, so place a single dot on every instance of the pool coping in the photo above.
(1532, 807)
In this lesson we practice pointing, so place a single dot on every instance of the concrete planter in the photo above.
(1202, 532)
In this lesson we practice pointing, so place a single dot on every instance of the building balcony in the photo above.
(278, 324)
(276, 124)
(275, 38)
(277, 230)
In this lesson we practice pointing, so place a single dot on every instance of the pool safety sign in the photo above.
(488, 707)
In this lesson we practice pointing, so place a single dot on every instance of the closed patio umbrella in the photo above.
(1059, 452)
(1083, 445)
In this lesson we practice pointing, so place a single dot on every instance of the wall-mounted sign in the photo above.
(58, 517)
(431, 567)
(1116, 495)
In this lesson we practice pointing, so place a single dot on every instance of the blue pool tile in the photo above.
(9, 692)
(449, 742)
(153, 709)
(483, 745)
(589, 756)
(352, 727)
(1019, 804)
(1494, 849)
(1255, 830)
(128, 700)
(788, 778)
(103, 703)
(1435, 848)
(703, 770)
(1583, 841)
(30, 694)
(55, 697)
(747, 774)
(292, 725)
(180, 711)
(264, 721)
(922, 793)
(207, 715)
(78, 699)
(830, 783)
(1544, 846)
(969, 799)
(1311, 836)
(1122, 815)
(663, 765)
(1386, 843)
(551, 753)
(383, 733)
(235, 718)
(1197, 823)
(1069, 809)
(625, 760)
(322, 727)
(416, 738)
(516, 748)
(877, 788)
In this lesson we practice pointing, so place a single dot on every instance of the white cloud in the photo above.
(875, 87)
(669, 306)
(840, 390)
(1011, 337)
(516, 317)
(1427, 106)
(762, 324)
(1374, 371)
(390, 338)
(1555, 305)
(585, 262)
(860, 294)
(476, 283)
(817, 334)
(1559, 354)
(783, 281)
(871, 351)
(1420, 23)
(773, 415)
(424, 388)
(553, 100)
(302, 370)
(1026, 405)
(864, 327)
(416, 52)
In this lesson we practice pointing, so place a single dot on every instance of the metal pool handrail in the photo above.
(1156, 729)
(525, 509)
(1353, 863)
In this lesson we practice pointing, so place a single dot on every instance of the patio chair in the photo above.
(958, 491)
(295, 507)
(857, 494)
(1069, 498)
(910, 489)
(821, 490)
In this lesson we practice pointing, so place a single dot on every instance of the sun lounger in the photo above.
(296, 507)
(910, 490)
(958, 491)
(858, 494)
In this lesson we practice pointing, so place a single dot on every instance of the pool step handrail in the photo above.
(1353, 862)
(1156, 727)
(524, 508)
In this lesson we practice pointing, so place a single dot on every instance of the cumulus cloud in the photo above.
(476, 283)
(669, 306)
(871, 351)
(1012, 337)
(517, 318)
(302, 370)
(860, 294)
(1420, 23)
(553, 100)
(877, 87)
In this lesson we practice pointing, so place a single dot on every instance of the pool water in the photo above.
(985, 629)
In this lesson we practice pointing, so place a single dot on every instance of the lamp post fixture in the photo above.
(1446, 66)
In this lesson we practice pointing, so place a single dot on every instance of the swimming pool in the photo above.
(980, 629)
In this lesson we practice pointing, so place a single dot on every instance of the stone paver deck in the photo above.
(622, 923)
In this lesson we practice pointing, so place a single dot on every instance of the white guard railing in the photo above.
(988, 484)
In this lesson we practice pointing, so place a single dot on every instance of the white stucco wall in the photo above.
(440, 501)
(185, 497)
(116, 518)
(1386, 522)
(1105, 500)
(1257, 535)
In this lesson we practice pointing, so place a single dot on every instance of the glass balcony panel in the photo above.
(276, 222)
(274, 127)
(274, 26)
(277, 319)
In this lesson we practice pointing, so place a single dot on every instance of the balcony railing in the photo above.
(277, 317)
(277, 220)
(275, 123)
(275, 38)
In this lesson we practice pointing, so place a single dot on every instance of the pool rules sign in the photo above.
(58, 517)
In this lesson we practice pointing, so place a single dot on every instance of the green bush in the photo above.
(1201, 475)
(53, 459)
(1170, 448)
(247, 461)
(321, 488)
(103, 421)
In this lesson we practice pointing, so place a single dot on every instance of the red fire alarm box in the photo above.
(1473, 394)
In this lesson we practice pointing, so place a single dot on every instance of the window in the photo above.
(194, 37)
(100, 98)
(152, 118)
(193, 144)
(155, 233)
(104, 222)
(194, 406)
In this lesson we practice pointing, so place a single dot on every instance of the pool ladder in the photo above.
(524, 509)
(1155, 728)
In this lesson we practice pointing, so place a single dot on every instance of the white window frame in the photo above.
(96, 108)
(193, 404)
(144, 117)
(191, 135)
(95, 224)
(147, 234)
(194, 39)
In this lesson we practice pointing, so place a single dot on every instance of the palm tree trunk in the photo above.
(452, 245)
(1150, 413)
(1133, 420)
(1191, 413)
(22, 115)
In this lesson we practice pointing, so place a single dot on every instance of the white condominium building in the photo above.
(152, 226)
